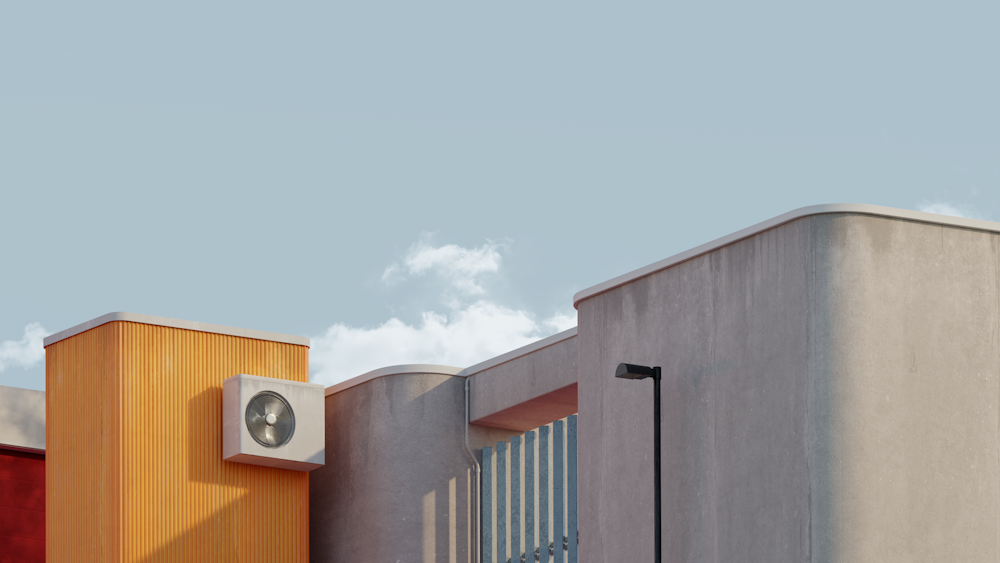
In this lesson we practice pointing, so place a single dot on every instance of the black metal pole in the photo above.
(656, 459)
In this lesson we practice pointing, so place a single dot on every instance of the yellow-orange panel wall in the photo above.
(134, 470)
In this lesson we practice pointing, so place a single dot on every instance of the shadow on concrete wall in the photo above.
(398, 485)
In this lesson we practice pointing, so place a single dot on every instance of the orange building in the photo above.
(134, 440)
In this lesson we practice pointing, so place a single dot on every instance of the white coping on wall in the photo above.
(855, 208)
(392, 370)
(176, 323)
(519, 352)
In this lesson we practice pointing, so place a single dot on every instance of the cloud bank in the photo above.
(472, 328)
(26, 352)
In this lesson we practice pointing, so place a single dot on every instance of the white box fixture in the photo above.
(273, 422)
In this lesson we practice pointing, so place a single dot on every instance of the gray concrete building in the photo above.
(401, 455)
(830, 394)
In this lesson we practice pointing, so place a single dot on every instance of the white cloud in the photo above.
(467, 336)
(944, 208)
(26, 352)
(459, 267)
(473, 329)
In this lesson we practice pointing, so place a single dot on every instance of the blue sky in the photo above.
(432, 183)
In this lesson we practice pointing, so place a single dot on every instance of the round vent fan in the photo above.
(270, 419)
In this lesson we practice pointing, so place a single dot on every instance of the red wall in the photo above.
(22, 507)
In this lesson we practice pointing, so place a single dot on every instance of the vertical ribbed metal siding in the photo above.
(179, 501)
(83, 447)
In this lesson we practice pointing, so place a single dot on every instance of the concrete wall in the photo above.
(22, 418)
(830, 394)
(397, 485)
(535, 386)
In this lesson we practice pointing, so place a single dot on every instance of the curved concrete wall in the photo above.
(397, 484)
(830, 394)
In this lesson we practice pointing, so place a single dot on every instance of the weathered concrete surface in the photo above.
(911, 393)
(22, 418)
(528, 391)
(397, 484)
(830, 395)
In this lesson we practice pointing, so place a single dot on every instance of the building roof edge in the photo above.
(403, 369)
(176, 323)
(520, 352)
(853, 208)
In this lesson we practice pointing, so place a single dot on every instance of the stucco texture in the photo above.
(397, 484)
(830, 394)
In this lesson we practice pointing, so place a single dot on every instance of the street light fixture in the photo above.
(630, 371)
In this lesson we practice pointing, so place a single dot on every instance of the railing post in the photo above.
(515, 499)
(558, 499)
(543, 494)
(572, 532)
(529, 497)
(501, 537)
(487, 512)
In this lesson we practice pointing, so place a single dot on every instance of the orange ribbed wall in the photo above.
(134, 468)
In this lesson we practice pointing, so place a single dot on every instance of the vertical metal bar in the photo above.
(558, 500)
(501, 537)
(529, 497)
(515, 499)
(656, 462)
(572, 532)
(487, 517)
(543, 494)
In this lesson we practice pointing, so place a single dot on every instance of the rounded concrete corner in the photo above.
(824, 209)
(393, 370)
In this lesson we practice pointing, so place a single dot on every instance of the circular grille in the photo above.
(270, 419)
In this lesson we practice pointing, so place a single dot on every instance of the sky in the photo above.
(432, 182)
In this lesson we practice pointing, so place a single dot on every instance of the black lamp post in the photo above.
(629, 371)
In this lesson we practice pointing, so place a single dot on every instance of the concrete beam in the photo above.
(527, 387)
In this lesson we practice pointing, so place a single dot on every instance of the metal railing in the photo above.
(541, 469)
